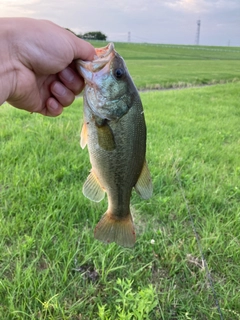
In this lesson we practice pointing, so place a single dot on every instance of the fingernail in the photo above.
(67, 75)
(58, 89)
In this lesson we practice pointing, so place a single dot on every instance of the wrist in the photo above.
(6, 61)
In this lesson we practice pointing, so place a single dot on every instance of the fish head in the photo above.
(109, 89)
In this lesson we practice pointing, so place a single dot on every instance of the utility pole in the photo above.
(198, 32)
(129, 36)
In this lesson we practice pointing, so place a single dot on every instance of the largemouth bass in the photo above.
(114, 131)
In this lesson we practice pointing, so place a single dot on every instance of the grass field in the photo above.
(50, 265)
(162, 66)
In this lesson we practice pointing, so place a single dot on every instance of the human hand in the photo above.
(37, 72)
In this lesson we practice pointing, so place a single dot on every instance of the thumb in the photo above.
(82, 49)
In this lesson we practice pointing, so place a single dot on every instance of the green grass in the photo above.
(50, 265)
(163, 66)
(140, 51)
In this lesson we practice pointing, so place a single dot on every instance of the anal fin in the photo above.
(144, 185)
(92, 188)
(109, 229)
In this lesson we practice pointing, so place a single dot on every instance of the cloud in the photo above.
(15, 8)
(161, 21)
(201, 6)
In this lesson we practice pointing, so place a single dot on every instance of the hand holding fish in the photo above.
(36, 70)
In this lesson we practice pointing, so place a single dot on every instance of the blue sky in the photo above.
(153, 21)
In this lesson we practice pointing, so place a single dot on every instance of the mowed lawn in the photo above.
(50, 265)
(174, 66)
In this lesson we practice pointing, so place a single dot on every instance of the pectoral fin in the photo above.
(83, 140)
(92, 188)
(105, 137)
(144, 185)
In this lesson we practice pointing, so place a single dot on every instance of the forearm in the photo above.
(6, 61)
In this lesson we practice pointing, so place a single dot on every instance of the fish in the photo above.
(114, 131)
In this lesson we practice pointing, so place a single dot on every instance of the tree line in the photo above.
(92, 35)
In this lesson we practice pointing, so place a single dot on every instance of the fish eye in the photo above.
(119, 72)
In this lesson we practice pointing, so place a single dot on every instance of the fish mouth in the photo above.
(101, 59)
(94, 72)
(105, 51)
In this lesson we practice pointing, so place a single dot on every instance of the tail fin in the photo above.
(109, 229)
